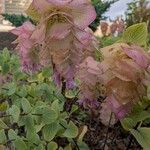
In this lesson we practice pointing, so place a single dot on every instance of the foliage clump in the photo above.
(32, 114)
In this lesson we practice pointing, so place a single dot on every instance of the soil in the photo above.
(6, 40)
(115, 138)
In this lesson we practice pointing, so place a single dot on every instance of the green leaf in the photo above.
(136, 34)
(29, 123)
(63, 115)
(55, 106)
(48, 90)
(40, 147)
(62, 127)
(10, 88)
(68, 147)
(23, 91)
(12, 135)
(148, 92)
(60, 97)
(71, 131)
(128, 123)
(3, 125)
(146, 132)
(33, 137)
(39, 127)
(40, 77)
(141, 116)
(14, 111)
(3, 138)
(26, 105)
(49, 131)
(33, 90)
(18, 75)
(83, 146)
(52, 146)
(3, 106)
(46, 72)
(131, 121)
(20, 144)
(5, 68)
(6, 54)
(74, 109)
(142, 135)
(49, 116)
(17, 102)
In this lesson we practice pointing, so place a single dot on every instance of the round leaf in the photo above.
(20, 144)
(52, 146)
(12, 135)
(71, 131)
(26, 105)
(14, 111)
(49, 116)
(3, 125)
(3, 138)
(136, 34)
(49, 131)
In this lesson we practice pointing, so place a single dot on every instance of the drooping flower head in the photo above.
(88, 75)
(57, 78)
(28, 52)
(75, 11)
(62, 31)
(126, 65)
(122, 73)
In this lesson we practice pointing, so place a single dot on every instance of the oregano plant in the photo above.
(57, 64)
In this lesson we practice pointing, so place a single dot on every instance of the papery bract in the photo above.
(26, 48)
(57, 78)
(77, 11)
(65, 39)
(120, 110)
(89, 103)
(124, 87)
(138, 55)
(88, 75)
(106, 115)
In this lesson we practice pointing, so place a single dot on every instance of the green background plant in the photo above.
(32, 115)
(16, 20)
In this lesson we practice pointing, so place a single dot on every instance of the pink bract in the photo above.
(26, 48)
(138, 55)
(77, 10)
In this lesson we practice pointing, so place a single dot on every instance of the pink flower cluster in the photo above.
(63, 34)
(123, 73)
(89, 81)
(26, 48)
(128, 66)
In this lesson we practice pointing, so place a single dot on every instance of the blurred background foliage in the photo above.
(138, 11)
(101, 7)
(16, 20)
